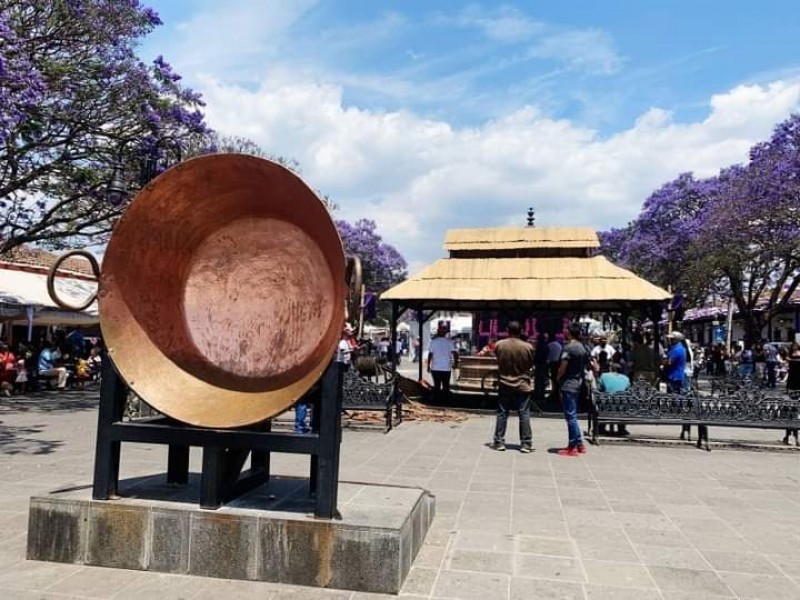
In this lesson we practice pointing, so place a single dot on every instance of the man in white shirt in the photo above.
(442, 358)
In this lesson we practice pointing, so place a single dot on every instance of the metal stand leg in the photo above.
(260, 461)
(211, 478)
(330, 433)
(113, 393)
(178, 465)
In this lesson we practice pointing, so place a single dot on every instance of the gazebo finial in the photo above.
(531, 217)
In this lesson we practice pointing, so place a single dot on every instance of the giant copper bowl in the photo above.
(222, 291)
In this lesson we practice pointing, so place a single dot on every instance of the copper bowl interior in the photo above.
(234, 270)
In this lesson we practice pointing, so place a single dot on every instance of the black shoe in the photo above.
(525, 449)
(499, 446)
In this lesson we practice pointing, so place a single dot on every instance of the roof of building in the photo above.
(583, 281)
(36, 257)
(514, 238)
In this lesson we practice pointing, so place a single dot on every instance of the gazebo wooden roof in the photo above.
(540, 268)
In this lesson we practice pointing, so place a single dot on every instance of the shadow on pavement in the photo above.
(15, 440)
(48, 401)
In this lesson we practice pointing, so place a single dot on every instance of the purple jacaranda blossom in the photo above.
(75, 99)
(383, 266)
(735, 235)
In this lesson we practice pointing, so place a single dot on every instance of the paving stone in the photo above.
(476, 560)
(544, 589)
(419, 581)
(763, 587)
(688, 580)
(548, 567)
(600, 592)
(95, 582)
(482, 540)
(543, 545)
(667, 556)
(466, 585)
(740, 562)
(617, 574)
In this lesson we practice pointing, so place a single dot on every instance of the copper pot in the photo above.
(222, 291)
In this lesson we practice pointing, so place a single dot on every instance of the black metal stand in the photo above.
(225, 451)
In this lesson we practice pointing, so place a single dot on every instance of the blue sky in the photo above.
(429, 115)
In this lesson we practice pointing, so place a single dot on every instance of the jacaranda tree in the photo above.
(736, 234)
(75, 101)
(382, 265)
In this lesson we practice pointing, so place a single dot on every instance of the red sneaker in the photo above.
(570, 451)
(581, 449)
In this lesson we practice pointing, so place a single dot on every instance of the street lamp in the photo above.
(117, 190)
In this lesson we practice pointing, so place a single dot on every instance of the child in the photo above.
(21, 382)
(82, 374)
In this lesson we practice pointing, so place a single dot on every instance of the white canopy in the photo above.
(23, 292)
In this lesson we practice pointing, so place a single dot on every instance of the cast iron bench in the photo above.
(747, 407)
(362, 394)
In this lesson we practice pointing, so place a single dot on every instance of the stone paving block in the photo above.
(484, 540)
(689, 580)
(95, 582)
(547, 546)
(627, 506)
(675, 595)
(601, 592)
(34, 575)
(740, 562)
(617, 574)
(466, 585)
(544, 589)
(655, 537)
(419, 581)
(763, 587)
(789, 564)
(478, 560)
(548, 567)
(162, 586)
(668, 556)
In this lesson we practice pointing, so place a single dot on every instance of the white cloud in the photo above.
(505, 24)
(589, 50)
(419, 176)
(235, 37)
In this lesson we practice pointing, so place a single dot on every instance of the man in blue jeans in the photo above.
(571, 374)
(514, 364)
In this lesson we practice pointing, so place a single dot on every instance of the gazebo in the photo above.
(533, 269)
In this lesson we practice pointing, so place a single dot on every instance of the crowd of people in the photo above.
(69, 359)
(571, 365)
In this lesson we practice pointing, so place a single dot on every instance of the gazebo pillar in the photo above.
(655, 317)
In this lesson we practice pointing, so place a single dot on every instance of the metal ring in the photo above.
(51, 280)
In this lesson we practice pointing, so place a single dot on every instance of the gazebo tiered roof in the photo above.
(541, 268)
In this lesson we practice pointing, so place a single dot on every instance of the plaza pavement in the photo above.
(625, 521)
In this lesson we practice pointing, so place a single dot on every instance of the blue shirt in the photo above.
(45, 359)
(613, 382)
(677, 362)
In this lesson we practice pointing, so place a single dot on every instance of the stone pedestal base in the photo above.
(268, 535)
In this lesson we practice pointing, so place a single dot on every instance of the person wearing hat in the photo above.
(442, 359)
(675, 363)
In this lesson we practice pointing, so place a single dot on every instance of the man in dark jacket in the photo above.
(514, 363)
(571, 375)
